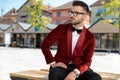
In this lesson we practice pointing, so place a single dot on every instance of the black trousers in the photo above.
(59, 73)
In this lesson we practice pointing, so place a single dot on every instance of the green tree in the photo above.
(112, 14)
(35, 12)
(112, 11)
(37, 20)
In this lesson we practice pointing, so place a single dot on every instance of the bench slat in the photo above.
(31, 74)
(43, 73)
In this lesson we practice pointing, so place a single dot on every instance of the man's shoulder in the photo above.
(63, 26)
(89, 34)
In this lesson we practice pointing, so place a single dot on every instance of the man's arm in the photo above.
(87, 57)
(47, 42)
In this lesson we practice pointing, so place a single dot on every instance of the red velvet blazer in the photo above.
(83, 51)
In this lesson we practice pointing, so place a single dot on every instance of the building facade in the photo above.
(21, 32)
(107, 35)
(23, 15)
(60, 14)
(10, 17)
(98, 9)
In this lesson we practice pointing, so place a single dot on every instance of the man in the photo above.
(75, 47)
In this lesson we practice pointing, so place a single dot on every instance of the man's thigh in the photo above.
(57, 73)
(89, 75)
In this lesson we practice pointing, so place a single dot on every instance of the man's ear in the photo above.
(87, 18)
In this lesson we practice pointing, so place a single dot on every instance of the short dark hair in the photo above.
(82, 4)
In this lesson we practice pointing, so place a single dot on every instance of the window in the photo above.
(99, 12)
(58, 14)
(58, 22)
(23, 15)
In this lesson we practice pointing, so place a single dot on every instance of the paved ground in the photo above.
(18, 59)
(12, 60)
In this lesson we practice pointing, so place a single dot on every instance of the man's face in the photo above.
(77, 15)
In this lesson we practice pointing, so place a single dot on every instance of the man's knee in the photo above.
(91, 76)
(57, 73)
(96, 76)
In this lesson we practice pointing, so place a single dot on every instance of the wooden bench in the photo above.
(29, 75)
(43, 73)
(109, 76)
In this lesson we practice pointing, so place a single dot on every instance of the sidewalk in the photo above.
(20, 59)
(16, 59)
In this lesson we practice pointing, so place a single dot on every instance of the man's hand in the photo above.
(71, 76)
(61, 64)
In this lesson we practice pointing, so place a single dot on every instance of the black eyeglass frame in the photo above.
(75, 13)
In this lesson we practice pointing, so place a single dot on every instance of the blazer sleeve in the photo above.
(48, 41)
(87, 57)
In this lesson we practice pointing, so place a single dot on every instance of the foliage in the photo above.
(35, 13)
(112, 9)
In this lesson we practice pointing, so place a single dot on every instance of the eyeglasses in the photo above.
(75, 13)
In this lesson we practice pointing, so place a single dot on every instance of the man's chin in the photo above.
(73, 23)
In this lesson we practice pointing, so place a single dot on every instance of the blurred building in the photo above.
(60, 14)
(97, 9)
(23, 15)
(10, 17)
(22, 34)
(107, 35)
